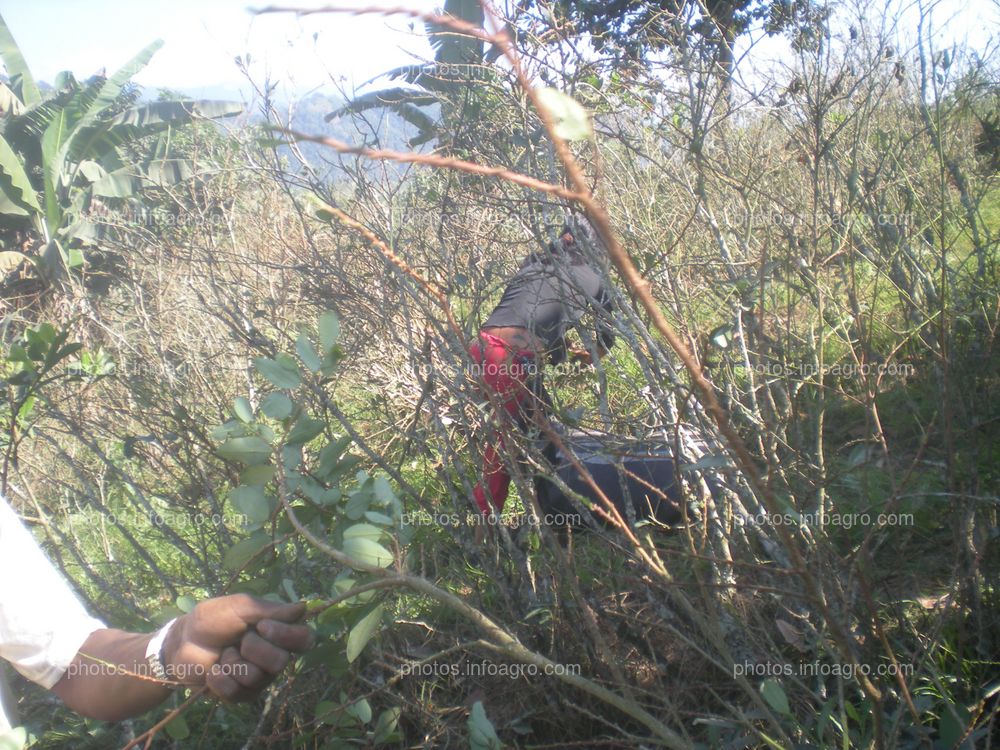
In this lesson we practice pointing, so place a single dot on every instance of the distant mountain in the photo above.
(375, 128)
(224, 91)
(380, 129)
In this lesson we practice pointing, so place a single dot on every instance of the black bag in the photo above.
(634, 474)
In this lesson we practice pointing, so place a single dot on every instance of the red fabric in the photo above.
(507, 373)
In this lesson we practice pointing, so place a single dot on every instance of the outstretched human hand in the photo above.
(235, 645)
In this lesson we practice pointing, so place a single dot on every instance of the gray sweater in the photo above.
(549, 295)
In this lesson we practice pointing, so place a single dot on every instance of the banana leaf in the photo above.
(21, 79)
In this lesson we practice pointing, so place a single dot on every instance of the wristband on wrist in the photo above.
(154, 649)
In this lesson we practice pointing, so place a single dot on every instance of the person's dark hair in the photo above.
(560, 251)
(580, 228)
(585, 240)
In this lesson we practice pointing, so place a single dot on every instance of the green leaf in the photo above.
(168, 172)
(24, 413)
(252, 502)
(45, 333)
(17, 68)
(450, 47)
(330, 454)
(425, 125)
(16, 185)
(383, 491)
(175, 112)
(18, 353)
(329, 713)
(362, 632)
(281, 374)
(91, 170)
(291, 456)
(951, 729)
(220, 431)
(366, 550)
(243, 410)
(121, 183)
(392, 98)
(329, 330)
(344, 466)
(52, 163)
(317, 493)
(75, 120)
(242, 552)
(482, 735)
(305, 430)
(569, 118)
(386, 725)
(65, 352)
(306, 352)
(249, 450)
(85, 231)
(9, 207)
(358, 504)
(177, 728)
(276, 406)
(824, 717)
(10, 104)
(360, 710)
(257, 475)
(775, 696)
(112, 87)
(363, 531)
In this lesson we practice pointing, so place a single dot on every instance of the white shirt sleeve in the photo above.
(42, 623)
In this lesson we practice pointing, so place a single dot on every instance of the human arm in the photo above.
(605, 330)
(584, 356)
(235, 645)
(604, 333)
(48, 636)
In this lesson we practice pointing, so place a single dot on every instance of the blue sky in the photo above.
(203, 37)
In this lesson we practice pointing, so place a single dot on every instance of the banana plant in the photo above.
(61, 148)
(458, 60)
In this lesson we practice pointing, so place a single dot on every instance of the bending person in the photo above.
(548, 296)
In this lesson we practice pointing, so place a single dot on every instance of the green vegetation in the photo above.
(61, 151)
(221, 372)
